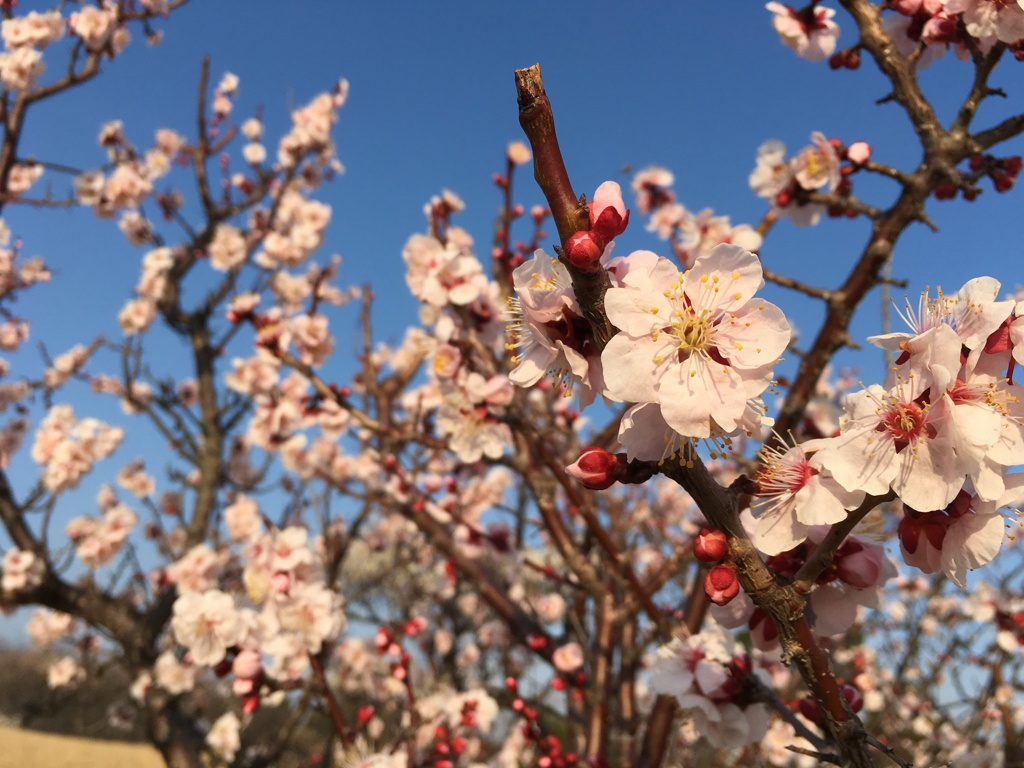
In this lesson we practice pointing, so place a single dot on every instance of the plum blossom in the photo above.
(94, 25)
(706, 674)
(46, 627)
(795, 493)
(547, 332)
(172, 675)
(700, 233)
(68, 448)
(20, 68)
(224, 737)
(208, 623)
(439, 274)
(22, 570)
(32, 29)
(909, 446)
(697, 343)
(64, 673)
(228, 248)
(965, 535)
(313, 613)
(990, 18)
(810, 32)
(817, 166)
(652, 188)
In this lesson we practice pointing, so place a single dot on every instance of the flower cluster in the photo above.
(710, 676)
(689, 234)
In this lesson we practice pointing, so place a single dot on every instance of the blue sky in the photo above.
(693, 86)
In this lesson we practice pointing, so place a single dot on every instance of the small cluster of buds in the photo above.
(1002, 171)
(608, 219)
(848, 58)
(548, 747)
(388, 645)
(853, 158)
(721, 584)
(247, 667)
(446, 748)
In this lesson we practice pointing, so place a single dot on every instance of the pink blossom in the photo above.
(546, 330)
(94, 25)
(32, 29)
(697, 343)
(64, 673)
(22, 570)
(794, 493)
(228, 248)
(651, 186)
(910, 445)
(990, 18)
(224, 738)
(810, 32)
(20, 68)
(567, 658)
(207, 623)
(817, 166)
(518, 153)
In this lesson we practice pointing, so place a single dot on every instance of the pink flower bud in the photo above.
(710, 546)
(598, 469)
(608, 214)
(247, 664)
(859, 152)
(721, 584)
(857, 565)
(584, 251)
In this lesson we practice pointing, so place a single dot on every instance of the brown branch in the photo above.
(570, 216)
(333, 709)
(821, 559)
(601, 679)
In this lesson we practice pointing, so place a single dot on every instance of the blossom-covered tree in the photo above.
(438, 559)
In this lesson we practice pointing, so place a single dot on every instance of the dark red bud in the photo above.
(721, 584)
(710, 546)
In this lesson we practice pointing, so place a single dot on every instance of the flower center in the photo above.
(905, 422)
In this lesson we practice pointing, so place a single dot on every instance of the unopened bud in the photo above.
(598, 469)
(721, 584)
(857, 565)
(859, 152)
(853, 698)
(710, 546)
(584, 251)
(1003, 182)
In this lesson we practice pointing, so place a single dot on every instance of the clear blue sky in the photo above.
(694, 86)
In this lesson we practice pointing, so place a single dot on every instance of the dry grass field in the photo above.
(30, 749)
